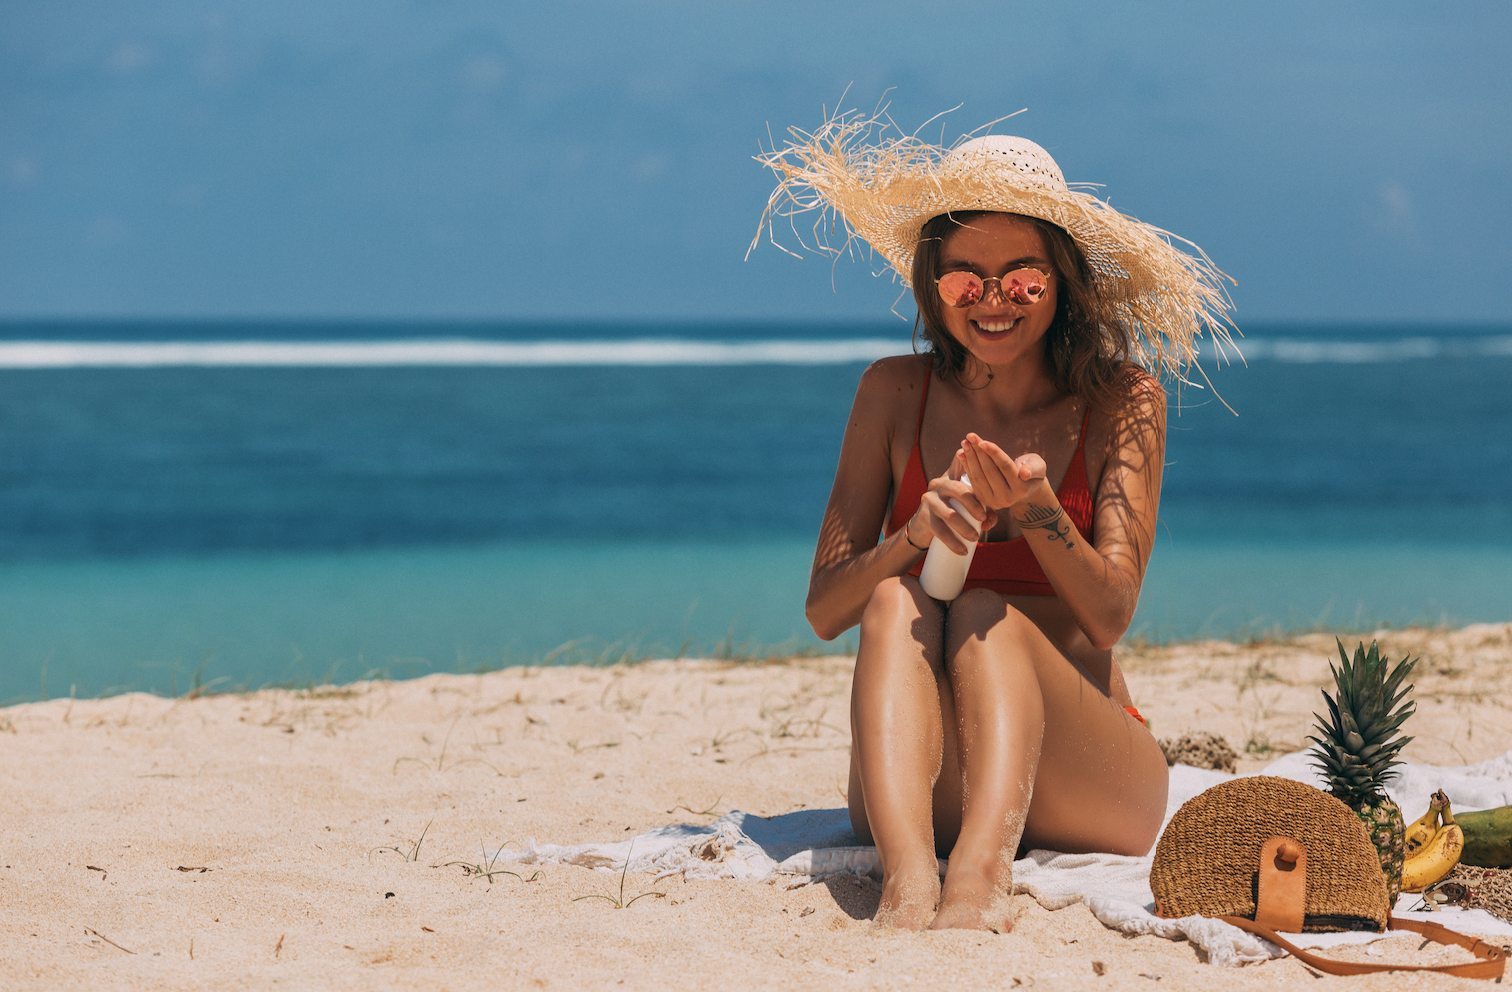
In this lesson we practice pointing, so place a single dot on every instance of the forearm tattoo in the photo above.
(1050, 519)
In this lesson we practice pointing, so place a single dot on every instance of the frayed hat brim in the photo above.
(881, 190)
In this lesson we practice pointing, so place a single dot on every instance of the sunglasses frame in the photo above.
(997, 279)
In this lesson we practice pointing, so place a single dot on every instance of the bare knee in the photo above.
(900, 626)
(895, 608)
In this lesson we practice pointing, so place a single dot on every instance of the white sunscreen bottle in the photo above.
(944, 572)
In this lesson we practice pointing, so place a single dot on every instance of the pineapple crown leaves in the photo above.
(1357, 745)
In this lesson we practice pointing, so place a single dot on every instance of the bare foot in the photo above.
(909, 896)
(973, 901)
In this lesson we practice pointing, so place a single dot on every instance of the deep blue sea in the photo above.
(480, 495)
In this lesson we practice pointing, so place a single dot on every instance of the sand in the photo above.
(330, 838)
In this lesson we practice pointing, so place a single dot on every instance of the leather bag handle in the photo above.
(1493, 959)
(1282, 883)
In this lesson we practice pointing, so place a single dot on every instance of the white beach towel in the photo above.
(810, 845)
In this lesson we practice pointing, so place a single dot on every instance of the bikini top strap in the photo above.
(1081, 442)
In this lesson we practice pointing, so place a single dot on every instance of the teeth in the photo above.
(994, 326)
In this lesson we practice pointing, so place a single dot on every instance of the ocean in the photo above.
(219, 505)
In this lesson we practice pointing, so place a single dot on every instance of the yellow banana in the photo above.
(1421, 831)
(1438, 857)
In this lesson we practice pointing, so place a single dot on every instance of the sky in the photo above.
(592, 159)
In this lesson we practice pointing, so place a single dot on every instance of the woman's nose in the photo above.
(996, 286)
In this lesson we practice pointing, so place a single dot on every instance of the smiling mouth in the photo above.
(996, 326)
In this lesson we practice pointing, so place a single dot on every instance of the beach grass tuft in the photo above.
(619, 902)
(413, 854)
(484, 867)
(440, 762)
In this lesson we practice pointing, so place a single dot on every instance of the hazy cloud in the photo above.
(1396, 200)
(106, 231)
(23, 170)
(130, 57)
(1395, 216)
(484, 73)
(652, 166)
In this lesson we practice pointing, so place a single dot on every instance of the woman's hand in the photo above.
(1001, 482)
(937, 518)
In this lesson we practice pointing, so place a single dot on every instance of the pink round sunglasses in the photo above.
(1022, 286)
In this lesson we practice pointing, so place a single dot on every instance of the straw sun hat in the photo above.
(882, 191)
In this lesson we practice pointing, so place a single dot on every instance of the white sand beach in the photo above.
(332, 838)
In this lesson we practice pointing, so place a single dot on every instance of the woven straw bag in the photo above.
(1207, 861)
(1269, 854)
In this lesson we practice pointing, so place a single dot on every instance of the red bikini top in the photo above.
(1006, 567)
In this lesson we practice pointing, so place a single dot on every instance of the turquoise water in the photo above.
(167, 526)
(167, 624)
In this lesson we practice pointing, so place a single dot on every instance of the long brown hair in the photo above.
(1087, 347)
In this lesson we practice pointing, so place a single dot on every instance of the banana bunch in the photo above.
(1434, 845)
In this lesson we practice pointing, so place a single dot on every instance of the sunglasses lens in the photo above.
(1025, 286)
(960, 289)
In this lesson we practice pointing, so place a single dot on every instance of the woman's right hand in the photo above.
(937, 518)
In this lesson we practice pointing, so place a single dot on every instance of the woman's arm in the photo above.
(1098, 583)
(848, 562)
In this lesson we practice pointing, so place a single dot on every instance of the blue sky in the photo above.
(384, 159)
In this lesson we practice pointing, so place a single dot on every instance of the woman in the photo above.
(998, 720)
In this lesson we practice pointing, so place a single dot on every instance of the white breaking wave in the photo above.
(1361, 352)
(460, 351)
(646, 351)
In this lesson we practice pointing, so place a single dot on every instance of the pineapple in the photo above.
(1358, 744)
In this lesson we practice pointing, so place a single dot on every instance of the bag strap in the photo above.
(1493, 959)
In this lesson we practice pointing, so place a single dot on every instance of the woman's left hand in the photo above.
(999, 481)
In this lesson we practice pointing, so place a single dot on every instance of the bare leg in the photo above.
(1044, 753)
(900, 722)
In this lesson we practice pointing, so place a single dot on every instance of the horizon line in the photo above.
(457, 352)
(438, 352)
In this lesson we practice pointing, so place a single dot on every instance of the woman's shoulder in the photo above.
(891, 381)
(1133, 390)
(888, 399)
(1135, 409)
(900, 368)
